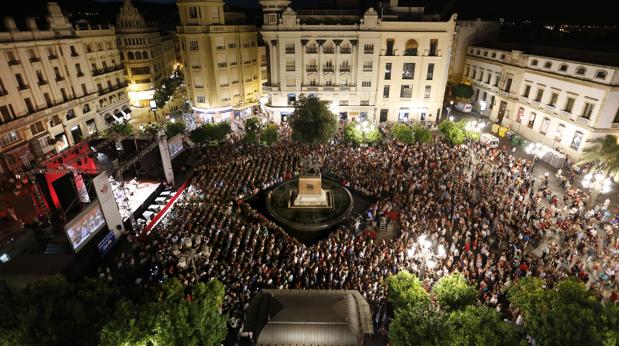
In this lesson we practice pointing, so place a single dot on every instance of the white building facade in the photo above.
(389, 67)
(558, 97)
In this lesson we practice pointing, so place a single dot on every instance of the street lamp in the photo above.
(537, 150)
(596, 183)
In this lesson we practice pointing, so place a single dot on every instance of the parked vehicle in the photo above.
(464, 107)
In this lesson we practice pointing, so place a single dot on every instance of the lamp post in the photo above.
(426, 255)
(596, 183)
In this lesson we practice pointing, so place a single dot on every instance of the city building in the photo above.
(558, 97)
(220, 55)
(389, 64)
(469, 33)
(148, 55)
(49, 96)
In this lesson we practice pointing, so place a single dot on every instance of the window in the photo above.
(84, 90)
(10, 137)
(410, 49)
(290, 65)
(534, 62)
(73, 51)
(386, 94)
(468, 70)
(485, 53)
(548, 64)
(37, 128)
(63, 92)
(493, 55)
(408, 71)
(48, 100)
(539, 95)
(5, 114)
(406, 91)
(600, 74)
(290, 83)
(403, 114)
(10, 56)
(367, 66)
(2, 89)
(70, 114)
(85, 108)
(20, 82)
(616, 120)
(587, 110)
(527, 90)
(33, 56)
(497, 78)
(193, 12)
(508, 84)
(563, 68)
(390, 47)
(502, 56)
(581, 70)
(544, 127)
(231, 45)
(193, 45)
(531, 122)
(488, 77)
(130, 56)
(29, 105)
(553, 99)
(569, 104)
(576, 140)
(388, 71)
(428, 91)
(289, 48)
(433, 48)
(201, 99)
(78, 68)
(368, 49)
(366, 84)
(430, 73)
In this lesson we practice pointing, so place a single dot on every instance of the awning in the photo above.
(118, 113)
(126, 109)
(108, 118)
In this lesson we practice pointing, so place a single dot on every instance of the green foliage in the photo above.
(480, 326)
(419, 324)
(152, 129)
(312, 122)
(166, 90)
(210, 132)
(372, 136)
(174, 128)
(356, 133)
(603, 154)
(422, 135)
(269, 134)
(123, 129)
(252, 130)
(405, 289)
(352, 134)
(171, 317)
(472, 135)
(403, 133)
(56, 312)
(462, 91)
(453, 131)
(453, 292)
(566, 315)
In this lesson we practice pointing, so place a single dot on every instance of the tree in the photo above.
(419, 324)
(480, 325)
(421, 134)
(352, 134)
(463, 91)
(172, 317)
(269, 134)
(312, 122)
(151, 129)
(453, 292)
(56, 312)
(603, 154)
(566, 315)
(174, 128)
(361, 133)
(210, 132)
(123, 129)
(252, 130)
(453, 131)
(403, 133)
(405, 289)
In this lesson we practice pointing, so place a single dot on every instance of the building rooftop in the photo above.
(580, 55)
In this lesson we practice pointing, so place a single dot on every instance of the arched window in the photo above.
(130, 56)
(122, 56)
(563, 68)
(138, 55)
(410, 49)
(600, 74)
(534, 62)
(145, 54)
(548, 64)
(581, 70)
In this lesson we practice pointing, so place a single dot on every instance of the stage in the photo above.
(134, 196)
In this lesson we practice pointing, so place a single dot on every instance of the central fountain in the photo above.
(309, 206)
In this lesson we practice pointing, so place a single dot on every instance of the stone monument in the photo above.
(310, 193)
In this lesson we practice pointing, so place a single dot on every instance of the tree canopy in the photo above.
(419, 324)
(453, 292)
(210, 132)
(123, 129)
(403, 133)
(269, 134)
(356, 133)
(405, 288)
(462, 91)
(603, 155)
(174, 128)
(252, 130)
(312, 121)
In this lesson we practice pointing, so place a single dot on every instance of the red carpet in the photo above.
(153, 222)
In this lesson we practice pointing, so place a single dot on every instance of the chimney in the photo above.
(31, 24)
(9, 24)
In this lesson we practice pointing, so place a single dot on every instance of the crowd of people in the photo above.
(466, 208)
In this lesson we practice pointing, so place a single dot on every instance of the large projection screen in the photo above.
(84, 226)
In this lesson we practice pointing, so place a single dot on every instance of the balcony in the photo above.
(74, 54)
(118, 86)
(311, 68)
(35, 59)
(22, 87)
(52, 56)
(328, 50)
(59, 78)
(42, 82)
(289, 51)
(14, 62)
(311, 51)
(327, 69)
(565, 113)
(80, 74)
(222, 65)
(535, 103)
(345, 50)
(551, 108)
(344, 68)
(290, 68)
(98, 72)
(582, 120)
(368, 51)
